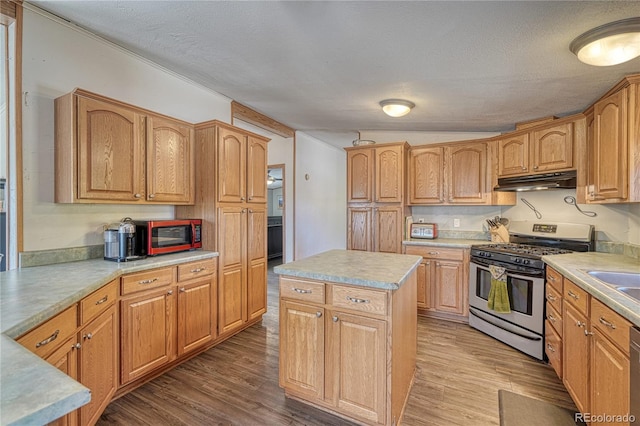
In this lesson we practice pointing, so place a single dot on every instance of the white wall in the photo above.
(280, 151)
(272, 199)
(321, 200)
(56, 59)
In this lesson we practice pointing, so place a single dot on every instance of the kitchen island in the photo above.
(348, 326)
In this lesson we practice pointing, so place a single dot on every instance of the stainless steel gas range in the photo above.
(524, 273)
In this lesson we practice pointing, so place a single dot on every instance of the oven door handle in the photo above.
(475, 313)
(485, 264)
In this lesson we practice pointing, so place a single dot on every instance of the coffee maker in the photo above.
(120, 241)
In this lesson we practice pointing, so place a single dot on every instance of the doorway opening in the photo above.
(276, 214)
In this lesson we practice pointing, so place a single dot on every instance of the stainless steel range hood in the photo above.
(557, 180)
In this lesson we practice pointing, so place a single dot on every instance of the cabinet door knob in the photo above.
(170, 292)
(535, 167)
(182, 290)
(250, 198)
(241, 198)
(334, 319)
(318, 314)
(138, 195)
(88, 336)
(524, 168)
(152, 195)
(244, 210)
(76, 346)
(250, 210)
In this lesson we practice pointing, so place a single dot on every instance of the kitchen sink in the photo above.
(631, 291)
(625, 279)
(625, 282)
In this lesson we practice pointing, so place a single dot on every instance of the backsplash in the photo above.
(63, 255)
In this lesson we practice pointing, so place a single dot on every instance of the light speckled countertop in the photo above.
(446, 242)
(31, 390)
(575, 266)
(368, 269)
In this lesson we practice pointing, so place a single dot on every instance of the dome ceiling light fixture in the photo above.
(396, 107)
(609, 44)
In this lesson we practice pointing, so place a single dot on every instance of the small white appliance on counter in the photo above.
(424, 230)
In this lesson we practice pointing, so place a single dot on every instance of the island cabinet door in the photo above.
(358, 366)
(302, 349)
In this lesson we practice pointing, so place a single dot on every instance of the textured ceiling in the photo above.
(324, 66)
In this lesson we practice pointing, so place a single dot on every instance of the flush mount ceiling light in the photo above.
(609, 44)
(396, 107)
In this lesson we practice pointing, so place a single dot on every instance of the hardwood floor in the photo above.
(459, 373)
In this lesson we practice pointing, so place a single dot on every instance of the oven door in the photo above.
(526, 297)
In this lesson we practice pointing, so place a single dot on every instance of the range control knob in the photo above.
(526, 261)
(518, 260)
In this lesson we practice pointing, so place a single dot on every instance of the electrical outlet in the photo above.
(421, 220)
(456, 223)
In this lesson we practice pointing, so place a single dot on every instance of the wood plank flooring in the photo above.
(459, 373)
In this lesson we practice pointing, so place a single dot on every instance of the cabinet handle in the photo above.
(182, 290)
(588, 333)
(607, 323)
(49, 339)
(580, 324)
(101, 301)
(148, 281)
(334, 319)
(551, 318)
(170, 292)
(551, 298)
(152, 195)
(356, 300)
(550, 348)
(137, 196)
(301, 290)
(195, 271)
(552, 278)
(318, 314)
(76, 346)
(572, 294)
(433, 253)
(87, 336)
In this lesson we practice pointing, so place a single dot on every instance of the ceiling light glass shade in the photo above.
(396, 107)
(609, 44)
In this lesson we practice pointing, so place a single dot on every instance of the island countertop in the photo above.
(387, 271)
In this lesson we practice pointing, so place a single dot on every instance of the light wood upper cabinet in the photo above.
(467, 174)
(360, 176)
(389, 176)
(107, 151)
(546, 148)
(110, 152)
(552, 148)
(513, 155)
(242, 163)
(610, 160)
(170, 171)
(426, 175)
(449, 174)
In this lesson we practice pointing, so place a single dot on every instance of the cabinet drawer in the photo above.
(436, 252)
(302, 290)
(147, 280)
(610, 324)
(576, 296)
(359, 299)
(98, 301)
(197, 269)
(45, 338)
(554, 318)
(553, 348)
(554, 278)
(554, 298)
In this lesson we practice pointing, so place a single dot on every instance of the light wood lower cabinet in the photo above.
(596, 366)
(442, 280)
(175, 317)
(348, 349)
(87, 353)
